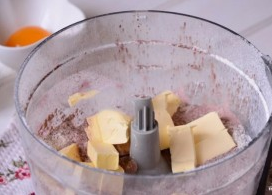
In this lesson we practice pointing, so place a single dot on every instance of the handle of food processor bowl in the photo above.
(262, 184)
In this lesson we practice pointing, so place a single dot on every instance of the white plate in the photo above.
(61, 12)
(50, 15)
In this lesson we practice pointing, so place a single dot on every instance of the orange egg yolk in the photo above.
(26, 36)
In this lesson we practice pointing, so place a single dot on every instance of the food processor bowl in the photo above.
(129, 54)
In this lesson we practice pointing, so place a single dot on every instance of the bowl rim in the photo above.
(20, 112)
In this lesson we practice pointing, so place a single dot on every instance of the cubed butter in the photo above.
(182, 148)
(75, 98)
(93, 130)
(164, 120)
(114, 126)
(214, 146)
(103, 155)
(165, 105)
(206, 126)
(168, 101)
(173, 102)
(72, 152)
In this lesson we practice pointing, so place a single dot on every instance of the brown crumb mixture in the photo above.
(123, 149)
(128, 164)
(59, 130)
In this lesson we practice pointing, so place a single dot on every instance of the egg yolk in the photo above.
(26, 36)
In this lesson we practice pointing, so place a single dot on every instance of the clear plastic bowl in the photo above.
(145, 52)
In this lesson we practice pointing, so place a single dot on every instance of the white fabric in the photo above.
(13, 152)
(6, 74)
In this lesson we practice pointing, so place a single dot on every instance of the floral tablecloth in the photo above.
(15, 176)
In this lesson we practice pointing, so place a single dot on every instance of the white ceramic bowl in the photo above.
(51, 15)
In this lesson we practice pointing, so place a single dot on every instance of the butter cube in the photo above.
(93, 130)
(75, 98)
(206, 126)
(114, 126)
(213, 146)
(165, 105)
(173, 102)
(182, 148)
(103, 155)
(72, 152)
(164, 120)
(167, 100)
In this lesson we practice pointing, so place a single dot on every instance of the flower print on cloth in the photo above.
(20, 171)
(3, 179)
(4, 144)
(15, 175)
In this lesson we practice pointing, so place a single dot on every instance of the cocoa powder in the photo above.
(59, 130)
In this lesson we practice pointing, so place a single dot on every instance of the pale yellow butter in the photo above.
(120, 170)
(93, 130)
(182, 148)
(103, 155)
(214, 146)
(165, 105)
(173, 102)
(72, 152)
(75, 98)
(206, 126)
(164, 120)
(114, 126)
(167, 100)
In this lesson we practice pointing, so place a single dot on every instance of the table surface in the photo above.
(250, 18)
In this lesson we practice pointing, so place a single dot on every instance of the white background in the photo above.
(250, 18)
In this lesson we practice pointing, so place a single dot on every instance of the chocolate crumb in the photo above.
(167, 156)
(123, 149)
(60, 131)
(128, 164)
